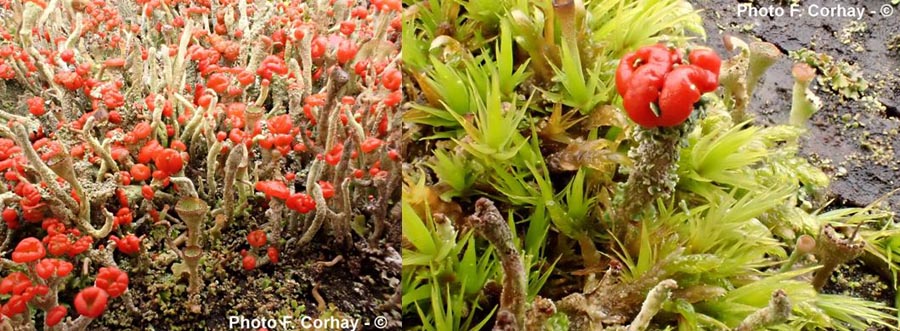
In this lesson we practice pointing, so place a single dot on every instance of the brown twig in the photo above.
(491, 225)
(328, 264)
(320, 302)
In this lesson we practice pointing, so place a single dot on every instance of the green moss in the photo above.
(715, 205)
(839, 76)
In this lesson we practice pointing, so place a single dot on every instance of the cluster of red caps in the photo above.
(149, 154)
(659, 88)
(257, 240)
(90, 302)
(300, 202)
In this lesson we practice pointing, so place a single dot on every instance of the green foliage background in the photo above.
(515, 100)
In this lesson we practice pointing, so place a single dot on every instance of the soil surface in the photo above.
(855, 141)
(358, 287)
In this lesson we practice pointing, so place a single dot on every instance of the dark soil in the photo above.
(854, 141)
(856, 280)
(358, 287)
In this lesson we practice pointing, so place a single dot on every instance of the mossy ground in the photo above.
(853, 138)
